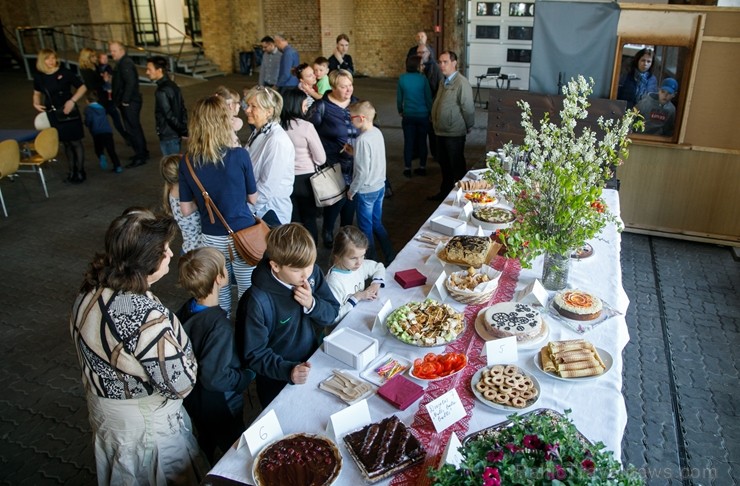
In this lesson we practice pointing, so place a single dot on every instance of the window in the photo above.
(521, 9)
(487, 31)
(488, 9)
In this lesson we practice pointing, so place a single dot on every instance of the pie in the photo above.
(494, 215)
(298, 460)
(578, 305)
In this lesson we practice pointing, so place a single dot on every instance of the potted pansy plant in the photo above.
(557, 192)
(539, 448)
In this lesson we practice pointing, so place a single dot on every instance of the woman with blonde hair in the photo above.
(233, 101)
(333, 123)
(137, 361)
(226, 174)
(60, 91)
(273, 156)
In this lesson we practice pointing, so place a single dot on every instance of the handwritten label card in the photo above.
(438, 291)
(466, 212)
(349, 419)
(446, 410)
(501, 351)
(379, 323)
(534, 294)
(261, 433)
(452, 454)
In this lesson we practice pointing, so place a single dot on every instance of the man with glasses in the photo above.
(270, 67)
(453, 116)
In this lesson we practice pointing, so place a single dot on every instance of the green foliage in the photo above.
(557, 198)
(536, 450)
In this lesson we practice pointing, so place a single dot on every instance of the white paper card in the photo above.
(533, 293)
(459, 200)
(480, 231)
(466, 212)
(501, 351)
(433, 262)
(438, 291)
(452, 454)
(349, 419)
(379, 323)
(261, 433)
(446, 410)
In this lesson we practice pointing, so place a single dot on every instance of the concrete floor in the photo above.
(680, 373)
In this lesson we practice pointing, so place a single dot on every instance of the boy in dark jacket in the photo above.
(216, 403)
(96, 120)
(276, 316)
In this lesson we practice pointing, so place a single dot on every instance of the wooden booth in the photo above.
(685, 184)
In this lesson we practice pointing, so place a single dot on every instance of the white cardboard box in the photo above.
(351, 347)
(448, 226)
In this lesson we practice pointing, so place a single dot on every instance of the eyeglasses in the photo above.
(266, 90)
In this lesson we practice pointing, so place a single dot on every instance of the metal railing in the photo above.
(68, 39)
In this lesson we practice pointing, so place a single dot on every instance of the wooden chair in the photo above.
(45, 147)
(10, 158)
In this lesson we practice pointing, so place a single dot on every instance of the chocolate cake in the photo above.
(384, 448)
(299, 459)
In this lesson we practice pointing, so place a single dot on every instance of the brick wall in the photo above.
(299, 21)
(229, 27)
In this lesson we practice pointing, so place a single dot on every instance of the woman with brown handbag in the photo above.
(226, 174)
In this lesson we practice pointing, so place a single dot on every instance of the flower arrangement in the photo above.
(539, 448)
(557, 195)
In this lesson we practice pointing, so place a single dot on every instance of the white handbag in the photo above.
(41, 121)
(328, 185)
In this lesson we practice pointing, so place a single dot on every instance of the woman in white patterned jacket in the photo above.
(137, 362)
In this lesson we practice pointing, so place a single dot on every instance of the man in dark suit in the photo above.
(127, 97)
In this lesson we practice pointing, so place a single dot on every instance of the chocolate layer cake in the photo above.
(578, 305)
(384, 448)
(298, 459)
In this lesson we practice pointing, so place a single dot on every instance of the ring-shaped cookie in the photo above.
(504, 389)
(511, 381)
(498, 380)
(502, 398)
(489, 381)
(518, 402)
(510, 370)
(521, 386)
(489, 394)
(528, 382)
(481, 387)
(527, 394)
(497, 369)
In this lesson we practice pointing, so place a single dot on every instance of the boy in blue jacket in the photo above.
(96, 120)
(276, 316)
(216, 404)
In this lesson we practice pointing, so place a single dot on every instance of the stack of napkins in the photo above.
(400, 392)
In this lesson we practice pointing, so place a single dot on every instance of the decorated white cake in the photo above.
(578, 305)
(514, 319)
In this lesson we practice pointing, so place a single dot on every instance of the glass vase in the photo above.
(555, 271)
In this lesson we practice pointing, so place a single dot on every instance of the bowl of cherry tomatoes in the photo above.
(438, 366)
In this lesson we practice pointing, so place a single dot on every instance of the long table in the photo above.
(598, 407)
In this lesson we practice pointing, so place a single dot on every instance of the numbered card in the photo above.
(501, 351)
(446, 410)
(480, 231)
(262, 432)
(466, 212)
(349, 419)
(452, 453)
(379, 323)
(433, 262)
(534, 294)
(438, 291)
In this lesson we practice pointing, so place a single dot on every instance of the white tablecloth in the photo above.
(598, 407)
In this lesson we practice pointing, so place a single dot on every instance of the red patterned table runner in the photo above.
(470, 344)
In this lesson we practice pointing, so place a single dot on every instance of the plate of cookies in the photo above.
(505, 387)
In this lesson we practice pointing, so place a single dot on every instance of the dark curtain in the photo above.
(572, 38)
